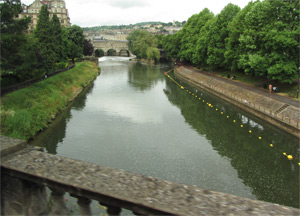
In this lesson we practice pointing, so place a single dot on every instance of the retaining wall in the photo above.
(273, 111)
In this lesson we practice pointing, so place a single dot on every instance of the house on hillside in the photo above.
(57, 7)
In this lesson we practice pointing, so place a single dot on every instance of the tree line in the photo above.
(27, 56)
(143, 44)
(262, 39)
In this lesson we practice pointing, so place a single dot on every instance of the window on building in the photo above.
(55, 5)
(62, 21)
(61, 5)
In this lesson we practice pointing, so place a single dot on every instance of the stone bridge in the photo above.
(26, 172)
(112, 47)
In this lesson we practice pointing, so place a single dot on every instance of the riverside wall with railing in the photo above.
(279, 114)
(26, 172)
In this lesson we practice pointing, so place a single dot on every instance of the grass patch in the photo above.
(28, 111)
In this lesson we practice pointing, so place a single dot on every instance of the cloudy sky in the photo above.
(88, 13)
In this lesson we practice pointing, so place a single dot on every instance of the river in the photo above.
(134, 118)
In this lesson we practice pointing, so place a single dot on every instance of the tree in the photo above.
(206, 18)
(99, 53)
(88, 47)
(76, 37)
(270, 40)
(57, 37)
(143, 44)
(236, 29)
(46, 43)
(218, 34)
(13, 39)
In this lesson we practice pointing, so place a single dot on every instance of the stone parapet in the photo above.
(118, 189)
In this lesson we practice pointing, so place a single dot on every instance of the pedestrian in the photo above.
(270, 88)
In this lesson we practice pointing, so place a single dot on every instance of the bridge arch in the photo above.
(124, 53)
(112, 52)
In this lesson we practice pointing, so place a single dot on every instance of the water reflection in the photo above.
(265, 170)
(152, 127)
(143, 77)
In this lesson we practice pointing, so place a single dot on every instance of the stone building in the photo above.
(57, 7)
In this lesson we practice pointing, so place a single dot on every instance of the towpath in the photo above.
(261, 91)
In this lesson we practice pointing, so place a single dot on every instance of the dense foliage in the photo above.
(261, 39)
(88, 48)
(99, 52)
(26, 56)
(143, 44)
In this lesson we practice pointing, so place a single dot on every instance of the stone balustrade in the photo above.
(26, 172)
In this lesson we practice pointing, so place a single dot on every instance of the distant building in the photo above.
(57, 7)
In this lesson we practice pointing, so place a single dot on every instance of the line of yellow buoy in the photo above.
(289, 157)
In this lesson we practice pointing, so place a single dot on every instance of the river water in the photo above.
(134, 118)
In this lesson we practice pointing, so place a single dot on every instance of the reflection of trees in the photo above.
(143, 77)
(270, 175)
(52, 136)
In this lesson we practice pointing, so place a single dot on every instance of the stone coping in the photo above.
(10, 145)
(142, 194)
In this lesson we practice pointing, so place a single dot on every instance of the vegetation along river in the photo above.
(135, 118)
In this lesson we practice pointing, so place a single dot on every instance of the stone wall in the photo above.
(263, 107)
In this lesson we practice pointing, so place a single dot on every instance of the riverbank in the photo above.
(27, 111)
(277, 110)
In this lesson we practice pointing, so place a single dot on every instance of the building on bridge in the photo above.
(57, 7)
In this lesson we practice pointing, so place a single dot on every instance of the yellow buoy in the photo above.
(221, 113)
(299, 163)
(271, 145)
(284, 154)
(234, 121)
(259, 138)
(203, 101)
(250, 131)
(290, 157)
(242, 126)
(216, 109)
(227, 116)
(182, 87)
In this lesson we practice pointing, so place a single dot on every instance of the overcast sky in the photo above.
(88, 13)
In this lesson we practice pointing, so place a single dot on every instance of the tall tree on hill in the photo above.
(44, 34)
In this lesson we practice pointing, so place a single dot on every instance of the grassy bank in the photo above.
(30, 110)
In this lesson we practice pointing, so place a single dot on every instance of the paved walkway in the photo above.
(261, 91)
